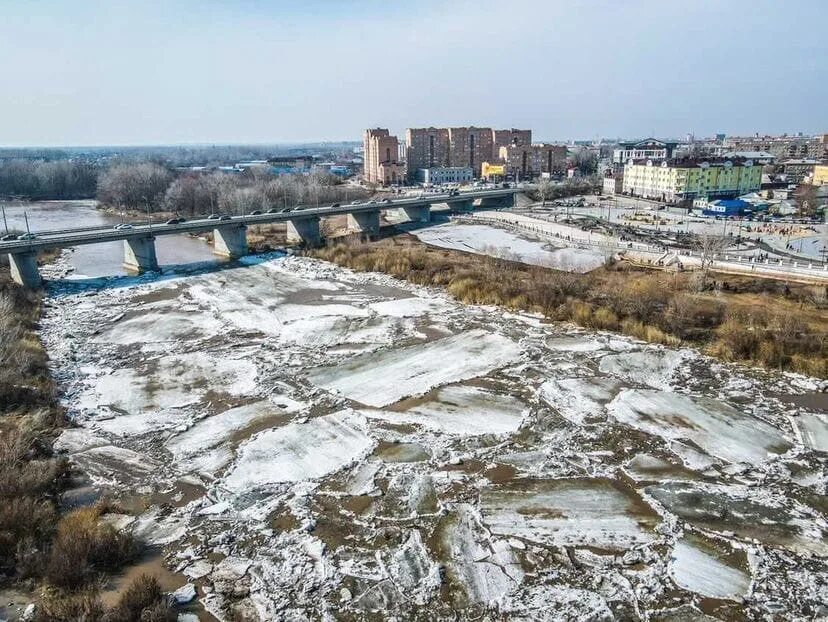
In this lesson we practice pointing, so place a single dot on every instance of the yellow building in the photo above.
(820, 175)
(673, 181)
(492, 170)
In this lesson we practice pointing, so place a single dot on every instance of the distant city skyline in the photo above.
(256, 72)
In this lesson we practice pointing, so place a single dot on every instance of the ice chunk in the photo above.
(463, 411)
(652, 367)
(578, 399)
(298, 451)
(382, 378)
(574, 512)
(700, 568)
(813, 429)
(719, 429)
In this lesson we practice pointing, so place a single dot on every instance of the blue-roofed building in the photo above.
(728, 208)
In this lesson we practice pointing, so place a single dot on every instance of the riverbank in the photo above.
(755, 321)
(51, 557)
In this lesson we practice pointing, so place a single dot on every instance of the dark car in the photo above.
(336, 205)
(286, 210)
(225, 217)
(273, 210)
(256, 212)
(172, 221)
(7, 237)
(386, 200)
(180, 220)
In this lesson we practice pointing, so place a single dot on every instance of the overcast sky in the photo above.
(87, 72)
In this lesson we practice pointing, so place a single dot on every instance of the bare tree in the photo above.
(546, 190)
(709, 247)
(134, 186)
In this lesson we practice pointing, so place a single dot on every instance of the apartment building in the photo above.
(454, 147)
(512, 137)
(782, 147)
(673, 181)
(381, 158)
(426, 147)
(530, 161)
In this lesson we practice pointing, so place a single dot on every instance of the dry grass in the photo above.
(655, 307)
(84, 547)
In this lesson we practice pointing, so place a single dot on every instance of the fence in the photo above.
(721, 260)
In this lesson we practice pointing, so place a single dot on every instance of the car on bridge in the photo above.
(225, 217)
(8, 236)
(256, 212)
(336, 205)
(122, 226)
(27, 236)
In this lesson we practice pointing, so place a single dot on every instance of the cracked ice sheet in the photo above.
(202, 446)
(569, 512)
(719, 429)
(652, 367)
(487, 568)
(300, 451)
(382, 378)
(577, 399)
(462, 411)
(165, 384)
(162, 324)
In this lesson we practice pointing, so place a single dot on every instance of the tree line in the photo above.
(48, 179)
(155, 186)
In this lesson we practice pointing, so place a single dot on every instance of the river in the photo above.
(97, 260)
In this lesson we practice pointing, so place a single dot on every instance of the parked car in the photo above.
(27, 236)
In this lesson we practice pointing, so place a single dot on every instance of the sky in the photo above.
(112, 72)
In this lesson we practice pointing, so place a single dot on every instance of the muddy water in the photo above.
(97, 260)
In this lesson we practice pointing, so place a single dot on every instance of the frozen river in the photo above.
(98, 260)
(311, 443)
(495, 242)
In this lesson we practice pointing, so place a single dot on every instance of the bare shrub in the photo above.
(142, 601)
(84, 547)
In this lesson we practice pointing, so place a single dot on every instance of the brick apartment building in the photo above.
(381, 158)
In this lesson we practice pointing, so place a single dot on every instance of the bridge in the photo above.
(230, 232)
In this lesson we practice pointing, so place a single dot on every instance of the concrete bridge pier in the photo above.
(417, 213)
(497, 202)
(462, 206)
(230, 241)
(24, 269)
(304, 231)
(364, 222)
(139, 254)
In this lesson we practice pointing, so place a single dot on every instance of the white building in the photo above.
(440, 175)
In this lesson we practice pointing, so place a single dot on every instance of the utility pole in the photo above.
(5, 224)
